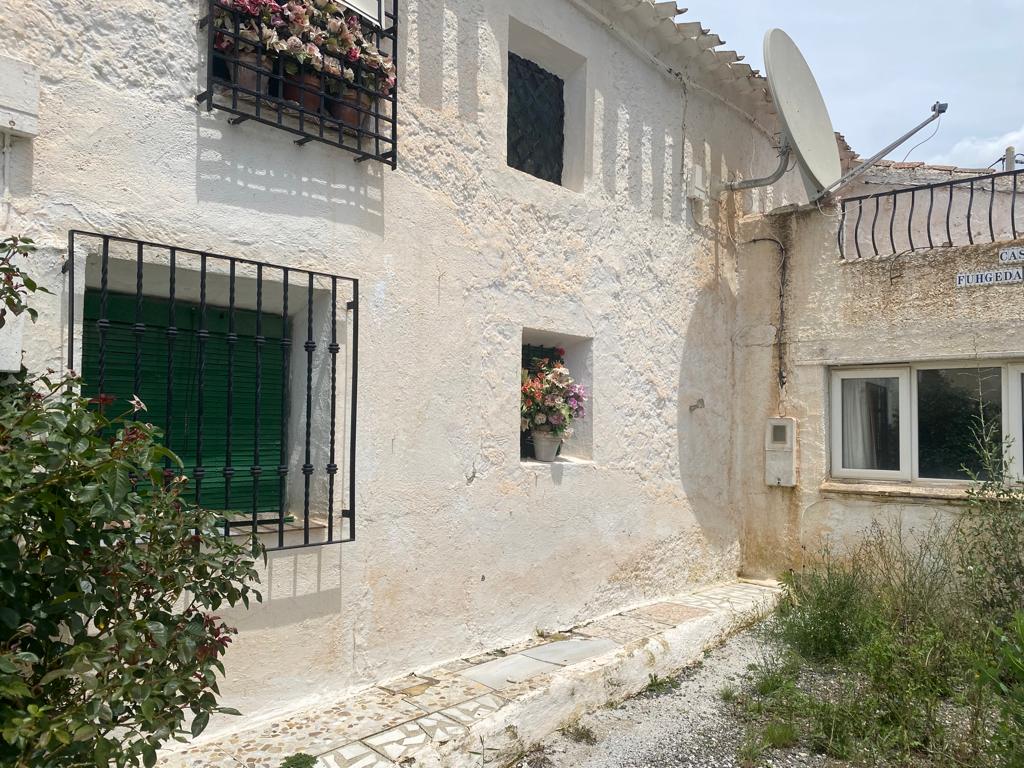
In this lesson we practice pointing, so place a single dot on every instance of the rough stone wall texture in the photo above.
(459, 547)
(877, 310)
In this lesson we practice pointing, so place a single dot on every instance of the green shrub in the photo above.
(299, 760)
(992, 540)
(780, 734)
(109, 583)
(822, 611)
(1006, 676)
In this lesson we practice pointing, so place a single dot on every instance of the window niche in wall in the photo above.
(547, 106)
(576, 352)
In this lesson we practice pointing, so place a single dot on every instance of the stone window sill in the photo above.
(560, 461)
(949, 494)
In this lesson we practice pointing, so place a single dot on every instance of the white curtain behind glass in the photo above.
(859, 439)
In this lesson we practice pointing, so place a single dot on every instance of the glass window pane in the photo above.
(952, 406)
(871, 423)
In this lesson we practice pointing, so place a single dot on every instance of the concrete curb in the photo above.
(499, 739)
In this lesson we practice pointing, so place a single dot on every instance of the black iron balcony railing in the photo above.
(350, 102)
(979, 209)
(250, 369)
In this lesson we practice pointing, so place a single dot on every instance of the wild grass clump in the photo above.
(909, 649)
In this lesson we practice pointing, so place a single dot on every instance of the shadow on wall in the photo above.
(704, 419)
(259, 168)
(297, 585)
(643, 152)
(426, 33)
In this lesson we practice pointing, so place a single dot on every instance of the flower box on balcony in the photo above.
(319, 70)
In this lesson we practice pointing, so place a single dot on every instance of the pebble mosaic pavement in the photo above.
(381, 726)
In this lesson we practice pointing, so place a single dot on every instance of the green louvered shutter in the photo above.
(119, 382)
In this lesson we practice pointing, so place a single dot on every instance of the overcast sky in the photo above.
(882, 64)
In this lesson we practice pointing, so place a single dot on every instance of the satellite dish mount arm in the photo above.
(938, 110)
(784, 152)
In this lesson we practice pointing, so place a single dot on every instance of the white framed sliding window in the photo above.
(871, 415)
(1015, 420)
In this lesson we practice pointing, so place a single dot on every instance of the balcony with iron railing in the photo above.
(965, 211)
(341, 90)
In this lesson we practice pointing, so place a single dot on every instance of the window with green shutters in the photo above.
(230, 439)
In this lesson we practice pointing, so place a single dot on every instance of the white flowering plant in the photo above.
(550, 399)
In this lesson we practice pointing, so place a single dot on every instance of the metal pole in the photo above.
(1010, 164)
(784, 152)
(938, 109)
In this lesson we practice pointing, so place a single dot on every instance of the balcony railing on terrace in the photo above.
(250, 369)
(959, 212)
(347, 105)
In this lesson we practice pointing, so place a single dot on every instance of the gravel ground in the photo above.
(690, 726)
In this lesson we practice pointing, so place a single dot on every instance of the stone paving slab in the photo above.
(200, 757)
(446, 707)
(501, 673)
(356, 755)
(448, 689)
(468, 712)
(322, 729)
(439, 728)
(734, 598)
(672, 614)
(622, 629)
(571, 651)
(400, 742)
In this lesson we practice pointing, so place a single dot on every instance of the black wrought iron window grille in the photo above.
(959, 212)
(536, 120)
(327, 95)
(250, 369)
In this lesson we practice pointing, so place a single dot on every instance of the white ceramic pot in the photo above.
(545, 445)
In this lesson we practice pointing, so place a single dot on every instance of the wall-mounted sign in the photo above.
(1011, 255)
(991, 277)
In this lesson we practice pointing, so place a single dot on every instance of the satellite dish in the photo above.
(802, 112)
(806, 126)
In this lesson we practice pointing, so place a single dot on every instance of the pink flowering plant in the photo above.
(320, 34)
(550, 400)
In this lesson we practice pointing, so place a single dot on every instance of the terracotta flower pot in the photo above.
(545, 445)
(247, 78)
(307, 97)
(346, 108)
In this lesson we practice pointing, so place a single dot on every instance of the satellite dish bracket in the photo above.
(784, 152)
(938, 110)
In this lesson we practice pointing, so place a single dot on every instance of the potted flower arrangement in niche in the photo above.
(550, 402)
(257, 43)
(329, 64)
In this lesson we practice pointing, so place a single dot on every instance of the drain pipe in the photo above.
(781, 332)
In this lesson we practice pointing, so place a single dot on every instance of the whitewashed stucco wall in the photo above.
(459, 546)
(869, 311)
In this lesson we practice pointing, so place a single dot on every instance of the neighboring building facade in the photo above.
(554, 186)
(888, 360)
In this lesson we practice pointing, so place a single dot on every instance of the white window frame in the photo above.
(1014, 413)
(902, 375)
(1012, 418)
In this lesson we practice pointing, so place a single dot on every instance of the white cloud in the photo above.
(979, 151)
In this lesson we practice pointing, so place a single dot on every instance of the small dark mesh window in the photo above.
(536, 120)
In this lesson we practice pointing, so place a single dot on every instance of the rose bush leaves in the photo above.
(110, 584)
